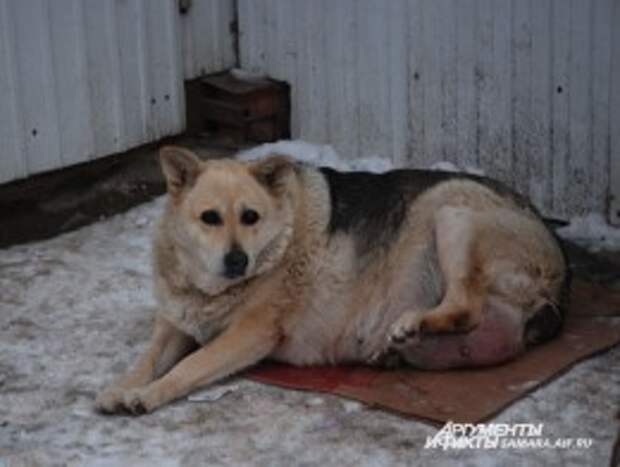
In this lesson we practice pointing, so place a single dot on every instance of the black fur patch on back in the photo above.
(372, 207)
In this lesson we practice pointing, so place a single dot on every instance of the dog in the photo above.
(279, 259)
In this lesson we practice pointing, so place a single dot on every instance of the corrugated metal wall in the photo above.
(208, 42)
(614, 116)
(521, 88)
(526, 89)
(80, 79)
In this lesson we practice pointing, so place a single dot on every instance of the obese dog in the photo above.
(278, 259)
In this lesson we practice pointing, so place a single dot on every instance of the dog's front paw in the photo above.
(119, 400)
(111, 400)
(137, 401)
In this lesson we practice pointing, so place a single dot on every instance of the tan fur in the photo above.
(305, 298)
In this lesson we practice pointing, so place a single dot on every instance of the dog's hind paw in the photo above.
(406, 331)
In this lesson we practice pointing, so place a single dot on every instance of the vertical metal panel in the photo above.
(81, 79)
(539, 149)
(342, 29)
(448, 78)
(39, 139)
(430, 77)
(103, 75)
(12, 164)
(614, 127)
(494, 125)
(560, 130)
(580, 101)
(600, 49)
(134, 93)
(417, 97)
(163, 53)
(252, 33)
(398, 67)
(208, 44)
(467, 96)
(311, 59)
(71, 81)
(521, 99)
(522, 88)
(285, 56)
(373, 78)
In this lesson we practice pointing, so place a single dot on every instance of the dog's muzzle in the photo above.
(235, 263)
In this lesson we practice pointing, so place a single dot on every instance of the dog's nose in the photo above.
(235, 263)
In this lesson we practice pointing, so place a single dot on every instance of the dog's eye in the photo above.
(249, 217)
(211, 217)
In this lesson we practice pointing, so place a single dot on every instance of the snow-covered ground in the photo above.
(75, 311)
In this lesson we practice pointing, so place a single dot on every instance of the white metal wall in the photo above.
(521, 88)
(80, 79)
(208, 42)
(614, 126)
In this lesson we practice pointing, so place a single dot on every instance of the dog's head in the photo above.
(231, 220)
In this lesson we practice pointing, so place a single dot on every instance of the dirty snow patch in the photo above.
(321, 155)
(593, 232)
(213, 393)
(446, 166)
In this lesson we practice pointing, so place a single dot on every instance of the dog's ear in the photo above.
(180, 167)
(273, 171)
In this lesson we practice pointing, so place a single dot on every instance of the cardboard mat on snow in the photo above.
(467, 395)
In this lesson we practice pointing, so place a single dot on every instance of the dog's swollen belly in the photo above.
(497, 338)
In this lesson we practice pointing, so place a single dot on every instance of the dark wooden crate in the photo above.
(245, 111)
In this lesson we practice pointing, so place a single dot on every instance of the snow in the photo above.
(451, 167)
(317, 154)
(325, 155)
(77, 309)
(213, 393)
(593, 232)
(315, 401)
(352, 406)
